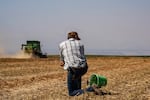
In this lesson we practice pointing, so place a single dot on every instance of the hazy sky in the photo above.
(103, 25)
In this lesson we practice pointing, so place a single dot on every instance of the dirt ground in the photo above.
(43, 79)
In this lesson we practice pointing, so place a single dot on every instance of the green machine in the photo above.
(33, 48)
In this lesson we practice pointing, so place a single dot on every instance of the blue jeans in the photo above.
(74, 80)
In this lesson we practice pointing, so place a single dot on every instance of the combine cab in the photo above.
(33, 48)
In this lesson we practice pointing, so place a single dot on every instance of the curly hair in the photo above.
(73, 35)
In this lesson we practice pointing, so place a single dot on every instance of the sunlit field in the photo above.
(43, 79)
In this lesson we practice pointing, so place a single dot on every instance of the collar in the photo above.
(71, 39)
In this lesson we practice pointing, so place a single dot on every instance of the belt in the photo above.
(75, 68)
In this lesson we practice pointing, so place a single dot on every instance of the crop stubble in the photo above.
(43, 79)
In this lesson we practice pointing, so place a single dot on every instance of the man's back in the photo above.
(72, 52)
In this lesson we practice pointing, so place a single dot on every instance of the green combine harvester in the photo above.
(33, 48)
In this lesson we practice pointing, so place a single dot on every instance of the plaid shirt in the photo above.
(72, 53)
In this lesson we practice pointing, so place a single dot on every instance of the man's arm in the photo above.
(62, 63)
(61, 57)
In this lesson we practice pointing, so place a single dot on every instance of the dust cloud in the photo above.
(19, 54)
(2, 52)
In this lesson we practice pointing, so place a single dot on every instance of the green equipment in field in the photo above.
(33, 48)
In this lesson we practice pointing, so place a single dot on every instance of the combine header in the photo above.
(33, 48)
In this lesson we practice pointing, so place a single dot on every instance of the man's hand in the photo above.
(62, 63)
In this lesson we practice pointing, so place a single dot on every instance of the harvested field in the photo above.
(43, 79)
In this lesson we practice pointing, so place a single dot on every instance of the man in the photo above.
(74, 61)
